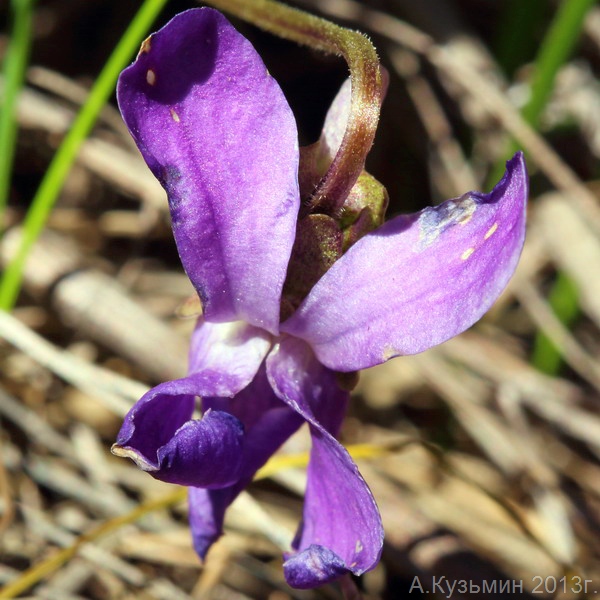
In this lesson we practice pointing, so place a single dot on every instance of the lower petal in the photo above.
(203, 452)
(153, 420)
(158, 432)
(341, 529)
(161, 437)
(206, 515)
(316, 563)
(268, 423)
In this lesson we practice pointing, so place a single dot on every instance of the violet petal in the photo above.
(160, 436)
(268, 423)
(227, 355)
(216, 130)
(336, 121)
(418, 280)
(317, 565)
(341, 528)
(158, 433)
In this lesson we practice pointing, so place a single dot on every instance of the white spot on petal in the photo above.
(491, 231)
(145, 47)
(174, 115)
(434, 221)
(388, 352)
(135, 456)
(150, 77)
(467, 253)
(358, 546)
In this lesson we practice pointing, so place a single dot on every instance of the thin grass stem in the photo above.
(558, 44)
(55, 176)
(15, 64)
(515, 43)
(556, 48)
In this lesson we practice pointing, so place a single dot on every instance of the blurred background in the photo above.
(482, 453)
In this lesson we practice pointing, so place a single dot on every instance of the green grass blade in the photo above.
(556, 48)
(515, 43)
(564, 300)
(58, 170)
(15, 64)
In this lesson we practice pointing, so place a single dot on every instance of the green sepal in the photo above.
(364, 209)
(318, 245)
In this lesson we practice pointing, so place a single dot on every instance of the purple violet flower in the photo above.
(216, 130)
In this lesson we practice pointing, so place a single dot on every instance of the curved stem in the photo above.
(365, 74)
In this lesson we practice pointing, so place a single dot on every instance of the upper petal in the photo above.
(341, 529)
(336, 121)
(418, 280)
(216, 130)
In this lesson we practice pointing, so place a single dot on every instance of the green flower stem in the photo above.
(15, 64)
(58, 170)
(365, 73)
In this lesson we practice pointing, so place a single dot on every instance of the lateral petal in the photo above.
(418, 280)
(341, 529)
(217, 132)
(226, 356)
